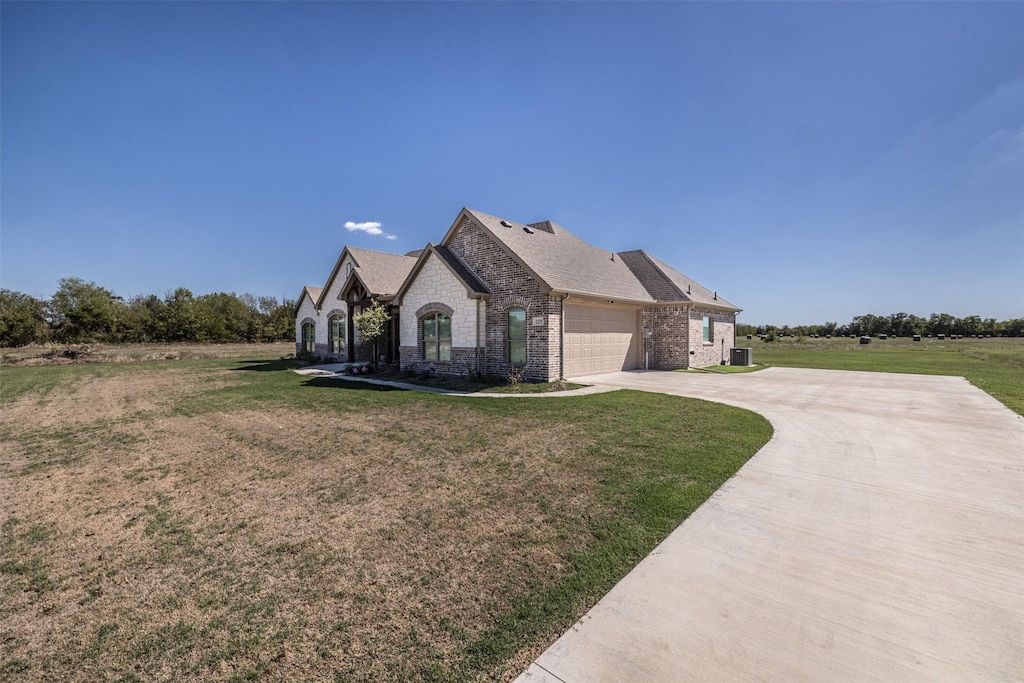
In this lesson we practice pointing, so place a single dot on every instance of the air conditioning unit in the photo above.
(742, 355)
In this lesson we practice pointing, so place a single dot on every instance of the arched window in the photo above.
(517, 336)
(336, 334)
(437, 337)
(308, 338)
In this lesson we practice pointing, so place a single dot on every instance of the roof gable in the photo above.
(666, 284)
(310, 292)
(559, 260)
(379, 272)
(475, 287)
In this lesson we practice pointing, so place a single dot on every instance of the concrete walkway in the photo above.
(879, 536)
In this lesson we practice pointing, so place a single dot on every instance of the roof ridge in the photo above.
(377, 251)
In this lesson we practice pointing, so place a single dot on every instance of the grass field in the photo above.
(131, 353)
(230, 520)
(994, 365)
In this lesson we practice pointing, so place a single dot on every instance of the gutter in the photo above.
(602, 297)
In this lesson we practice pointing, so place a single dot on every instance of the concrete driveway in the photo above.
(878, 536)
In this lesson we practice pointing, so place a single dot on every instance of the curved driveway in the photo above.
(878, 536)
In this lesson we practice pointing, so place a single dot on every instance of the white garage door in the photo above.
(599, 340)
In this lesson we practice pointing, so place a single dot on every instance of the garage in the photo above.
(599, 339)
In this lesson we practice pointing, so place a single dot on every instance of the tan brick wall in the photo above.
(668, 347)
(723, 331)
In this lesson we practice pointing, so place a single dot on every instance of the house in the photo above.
(494, 295)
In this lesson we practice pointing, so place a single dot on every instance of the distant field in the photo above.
(230, 520)
(53, 354)
(994, 365)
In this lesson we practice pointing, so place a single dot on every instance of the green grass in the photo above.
(993, 365)
(593, 483)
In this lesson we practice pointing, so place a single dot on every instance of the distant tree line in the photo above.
(85, 312)
(899, 325)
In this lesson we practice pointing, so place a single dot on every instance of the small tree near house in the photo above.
(371, 324)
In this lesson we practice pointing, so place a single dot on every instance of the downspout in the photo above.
(689, 333)
(561, 336)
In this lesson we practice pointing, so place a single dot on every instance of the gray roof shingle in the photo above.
(564, 262)
(666, 284)
(381, 273)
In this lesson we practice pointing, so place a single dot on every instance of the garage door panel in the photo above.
(599, 340)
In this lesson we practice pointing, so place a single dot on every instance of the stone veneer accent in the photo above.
(511, 287)
(463, 363)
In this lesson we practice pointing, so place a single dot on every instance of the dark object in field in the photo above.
(917, 337)
(865, 340)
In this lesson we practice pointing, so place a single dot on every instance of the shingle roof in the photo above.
(564, 262)
(461, 270)
(666, 284)
(381, 273)
(312, 292)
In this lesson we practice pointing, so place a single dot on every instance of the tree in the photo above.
(278, 319)
(84, 311)
(22, 319)
(180, 320)
(142, 319)
(940, 323)
(224, 318)
(371, 324)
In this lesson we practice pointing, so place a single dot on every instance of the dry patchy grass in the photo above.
(235, 521)
(282, 543)
(54, 354)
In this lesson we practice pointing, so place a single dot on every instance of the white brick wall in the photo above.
(330, 297)
(435, 283)
(331, 302)
(307, 310)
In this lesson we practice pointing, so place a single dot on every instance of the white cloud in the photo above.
(370, 228)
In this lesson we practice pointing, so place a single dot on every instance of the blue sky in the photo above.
(810, 161)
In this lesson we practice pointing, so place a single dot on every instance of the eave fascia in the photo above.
(600, 298)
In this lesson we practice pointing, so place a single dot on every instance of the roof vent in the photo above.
(687, 289)
(527, 231)
(716, 296)
(506, 224)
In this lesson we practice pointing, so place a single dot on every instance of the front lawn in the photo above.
(227, 520)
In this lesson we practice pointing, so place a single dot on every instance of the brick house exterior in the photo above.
(495, 295)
